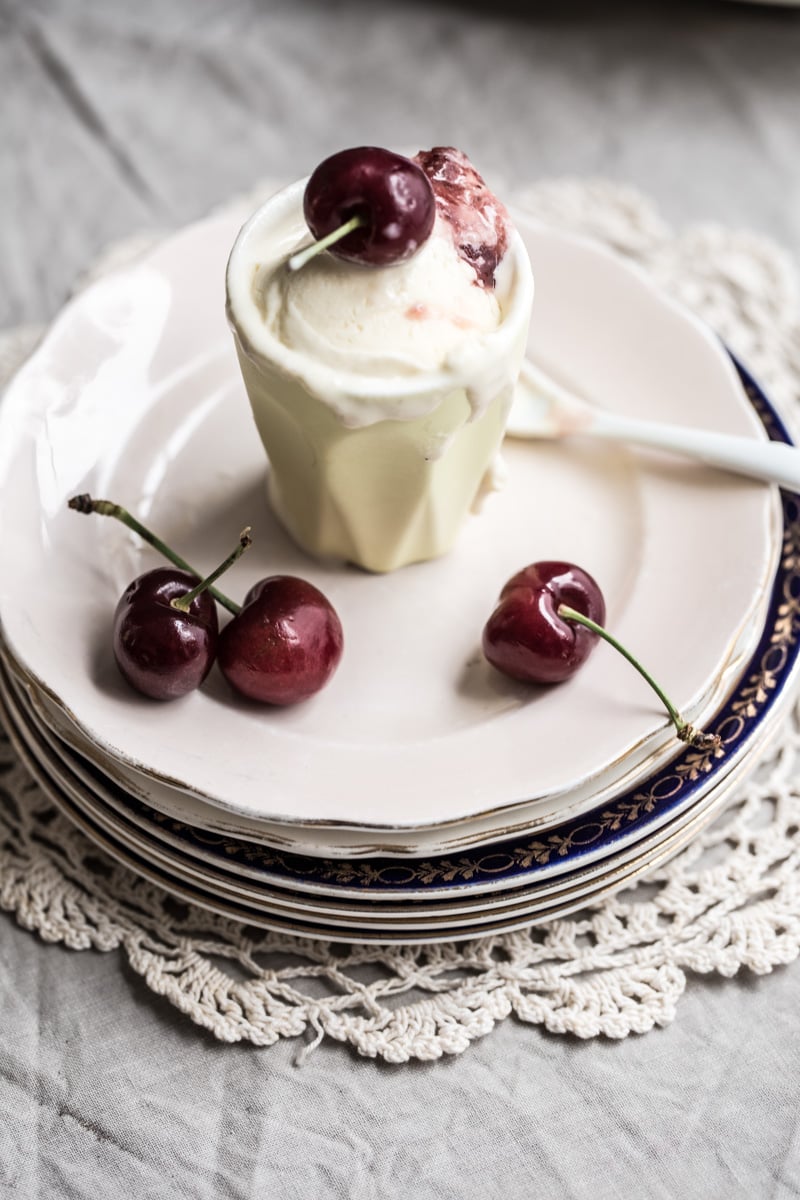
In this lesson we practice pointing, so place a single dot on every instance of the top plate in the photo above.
(135, 394)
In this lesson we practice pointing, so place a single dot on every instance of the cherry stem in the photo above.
(184, 603)
(303, 256)
(106, 508)
(686, 732)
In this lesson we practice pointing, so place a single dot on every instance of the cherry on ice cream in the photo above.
(377, 206)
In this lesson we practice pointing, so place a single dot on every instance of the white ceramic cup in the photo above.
(376, 471)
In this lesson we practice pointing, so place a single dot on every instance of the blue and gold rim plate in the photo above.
(406, 927)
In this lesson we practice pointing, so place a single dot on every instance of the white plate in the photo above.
(300, 923)
(571, 856)
(135, 394)
(296, 914)
(156, 842)
(316, 841)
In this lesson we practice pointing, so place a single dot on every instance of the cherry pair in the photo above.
(282, 645)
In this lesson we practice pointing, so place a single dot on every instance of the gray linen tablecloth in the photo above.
(116, 117)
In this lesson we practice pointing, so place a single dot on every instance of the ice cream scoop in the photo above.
(388, 323)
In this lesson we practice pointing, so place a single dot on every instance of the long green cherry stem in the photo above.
(686, 732)
(106, 508)
(303, 256)
(183, 603)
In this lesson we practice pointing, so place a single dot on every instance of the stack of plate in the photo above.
(421, 796)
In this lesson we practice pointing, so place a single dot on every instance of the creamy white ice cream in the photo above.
(386, 322)
(380, 393)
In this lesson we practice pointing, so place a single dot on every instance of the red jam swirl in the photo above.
(478, 220)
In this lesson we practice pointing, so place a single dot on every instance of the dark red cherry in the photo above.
(391, 194)
(527, 639)
(285, 643)
(163, 652)
(548, 619)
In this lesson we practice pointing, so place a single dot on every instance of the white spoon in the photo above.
(544, 409)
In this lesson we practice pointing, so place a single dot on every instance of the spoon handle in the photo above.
(774, 462)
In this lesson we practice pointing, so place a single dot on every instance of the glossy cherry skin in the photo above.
(391, 193)
(163, 652)
(527, 639)
(284, 645)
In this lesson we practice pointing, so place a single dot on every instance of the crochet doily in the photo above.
(730, 900)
